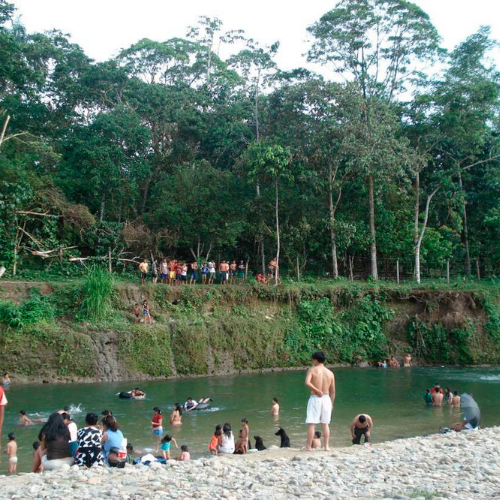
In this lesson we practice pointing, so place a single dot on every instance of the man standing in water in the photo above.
(321, 382)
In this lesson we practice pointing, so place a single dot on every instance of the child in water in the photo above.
(6, 380)
(185, 455)
(215, 441)
(23, 419)
(11, 452)
(166, 443)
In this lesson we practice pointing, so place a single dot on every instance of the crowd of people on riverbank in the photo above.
(177, 272)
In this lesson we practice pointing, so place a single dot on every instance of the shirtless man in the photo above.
(321, 382)
(437, 398)
(275, 409)
(362, 425)
(456, 399)
(11, 452)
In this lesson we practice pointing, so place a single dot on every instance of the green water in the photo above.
(392, 397)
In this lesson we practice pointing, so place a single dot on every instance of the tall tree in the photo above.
(379, 44)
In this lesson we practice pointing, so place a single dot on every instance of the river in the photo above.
(392, 397)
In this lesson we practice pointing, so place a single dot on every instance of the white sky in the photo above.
(103, 27)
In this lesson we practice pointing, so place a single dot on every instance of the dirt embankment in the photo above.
(203, 331)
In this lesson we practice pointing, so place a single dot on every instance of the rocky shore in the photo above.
(452, 466)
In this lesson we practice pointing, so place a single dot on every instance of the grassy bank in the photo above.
(84, 329)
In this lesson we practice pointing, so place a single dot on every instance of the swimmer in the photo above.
(428, 397)
(275, 408)
(137, 393)
(190, 404)
(316, 442)
(176, 415)
(6, 380)
(393, 362)
(407, 360)
(437, 398)
(11, 452)
(382, 364)
(23, 419)
(456, 399)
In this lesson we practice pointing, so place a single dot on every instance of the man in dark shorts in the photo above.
(362, 425)
(144, 268)
(194, 273)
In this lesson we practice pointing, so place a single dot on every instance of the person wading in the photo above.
(321, 382)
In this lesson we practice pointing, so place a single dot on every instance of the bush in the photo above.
(32, 311)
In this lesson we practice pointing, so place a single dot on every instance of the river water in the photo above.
(392, 397)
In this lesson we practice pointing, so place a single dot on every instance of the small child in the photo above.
(6, 380)
(23, 419)
(166, 443)
(11, 452)
(137, 313)
(215, 441)
(185, 455)
(146, 312)
(316, 442)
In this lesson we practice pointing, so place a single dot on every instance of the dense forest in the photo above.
(171, 150)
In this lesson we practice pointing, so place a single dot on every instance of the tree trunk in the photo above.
(468, 266)
(373, 244)
(418, 243)
(4, 129)
(277, 270)
(417, 215)
(263, 255)
(333, 236)
(103, 206)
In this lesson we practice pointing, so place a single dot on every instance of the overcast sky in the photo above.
(103, 27)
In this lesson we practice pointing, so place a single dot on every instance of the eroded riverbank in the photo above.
(452, 466)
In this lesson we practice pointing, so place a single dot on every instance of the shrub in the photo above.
(97, 294)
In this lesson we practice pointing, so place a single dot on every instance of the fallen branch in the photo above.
(28, 212)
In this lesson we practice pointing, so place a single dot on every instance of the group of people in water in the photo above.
(392, 362)
(435, 396)
(177, 272)
(101, 442)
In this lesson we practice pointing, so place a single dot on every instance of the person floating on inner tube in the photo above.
(137, 393)
(190, 404)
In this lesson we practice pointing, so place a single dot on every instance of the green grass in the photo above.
(97, 292)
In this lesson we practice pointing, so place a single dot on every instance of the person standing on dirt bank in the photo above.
(321, 382)
(144, 268)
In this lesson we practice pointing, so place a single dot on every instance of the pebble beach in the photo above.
(450, 466)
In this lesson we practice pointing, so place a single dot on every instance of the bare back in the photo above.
(323, 379)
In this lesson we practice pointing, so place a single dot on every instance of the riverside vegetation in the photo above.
(83, 329)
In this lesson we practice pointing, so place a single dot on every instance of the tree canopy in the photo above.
(168, 149)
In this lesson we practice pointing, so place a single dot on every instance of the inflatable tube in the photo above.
(203, 406)
(125, 395)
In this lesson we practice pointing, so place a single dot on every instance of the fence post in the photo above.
(397, 271)
(109, 260)
(478, 269)
(298, 269)
(246, 270)
(448, 271)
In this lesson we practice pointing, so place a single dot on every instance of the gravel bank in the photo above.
(453, 466)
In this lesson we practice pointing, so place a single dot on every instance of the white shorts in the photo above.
(13, 460)
(319, 410)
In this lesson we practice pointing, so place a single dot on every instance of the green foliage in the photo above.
(34, 310)
(348, 336)
(437, 345)
(97, 295)
(147, 350)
